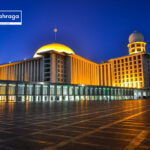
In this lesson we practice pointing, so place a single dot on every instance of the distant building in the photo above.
(57, 63)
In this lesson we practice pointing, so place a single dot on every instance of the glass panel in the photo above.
(21, 89)
(59, 90)
(76, 90)
(45, 89)
(100, 91)
(70, 90)
(81, 90)
(38, 89)
(108, 91)
(91, 91)
(65, 90)
(104, 91)
(2, 89)
(96, 91)
(86, 90)
(52, 90)
(11, 89)
(29, 89)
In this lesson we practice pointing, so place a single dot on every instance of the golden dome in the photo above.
(53, 47)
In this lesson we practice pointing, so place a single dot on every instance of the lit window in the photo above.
(132, 45)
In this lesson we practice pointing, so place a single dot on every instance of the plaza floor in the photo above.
(80, 125)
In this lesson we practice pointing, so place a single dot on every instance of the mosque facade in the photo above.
(57, 63)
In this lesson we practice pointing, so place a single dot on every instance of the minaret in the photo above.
(136, 43)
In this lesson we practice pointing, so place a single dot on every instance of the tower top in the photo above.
(136, 37)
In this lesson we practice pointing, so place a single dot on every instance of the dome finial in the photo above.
(55, 31)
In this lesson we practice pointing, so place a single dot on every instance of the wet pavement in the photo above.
(80, 125)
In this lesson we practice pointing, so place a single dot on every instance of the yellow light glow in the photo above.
(53, 47)
(136, 47)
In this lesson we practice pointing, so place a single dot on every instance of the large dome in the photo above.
(53, 47)
(136, 37)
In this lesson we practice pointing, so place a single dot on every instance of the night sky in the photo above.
(95, 29)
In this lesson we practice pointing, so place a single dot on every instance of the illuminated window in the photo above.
(132, 45)
(134, 57)
(37, 89)
(139, 57)
(45, 88)
(138, 44)
(138, 49)
(65, 90)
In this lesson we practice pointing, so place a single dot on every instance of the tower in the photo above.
(136, 43)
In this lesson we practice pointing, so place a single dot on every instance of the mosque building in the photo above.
(132, 70)
(57, 63)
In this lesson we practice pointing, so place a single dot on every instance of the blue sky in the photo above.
(95, 29)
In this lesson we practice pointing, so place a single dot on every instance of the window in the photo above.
(65, 90)
(132, 45)
(29, 89)
(138, 49)
(11, 89)
(70, 90)
(37, 89)
(21, 89)
(59, 90)
(52, 89)
(45, 87)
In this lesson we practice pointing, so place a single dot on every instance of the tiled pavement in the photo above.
(81, 125)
